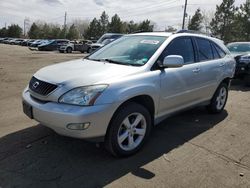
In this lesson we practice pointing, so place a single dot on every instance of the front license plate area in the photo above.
(27, 109)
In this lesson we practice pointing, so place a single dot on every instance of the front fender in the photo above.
(127, 88)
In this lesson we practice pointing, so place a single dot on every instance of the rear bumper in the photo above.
(57, 116)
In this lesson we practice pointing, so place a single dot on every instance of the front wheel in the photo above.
(128, 131)
(69, 50)
(219, 99)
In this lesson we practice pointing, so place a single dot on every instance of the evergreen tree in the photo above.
(34, 31)
(55, 32)
(14, 31)
(241, 29)
(73, 33)
(93, 31)
(45, 31)
(3, 32)
(131, 27)
(222, 23)
(116, 25)
(145, 26)
(104, 22)
(196, 21)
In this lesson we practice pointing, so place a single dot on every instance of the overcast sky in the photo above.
(162, 12)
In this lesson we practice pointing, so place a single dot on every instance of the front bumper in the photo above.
(57, 116)
(242, 68)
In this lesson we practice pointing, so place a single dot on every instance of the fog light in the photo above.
(78, 126)
(242, 68)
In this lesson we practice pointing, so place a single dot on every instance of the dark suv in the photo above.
(241, 53)
(52, 45)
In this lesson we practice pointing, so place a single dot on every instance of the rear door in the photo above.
(211, 66)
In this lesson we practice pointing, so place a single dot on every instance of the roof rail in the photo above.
(192, 31)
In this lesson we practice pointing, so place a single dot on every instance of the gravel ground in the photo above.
(191, 149)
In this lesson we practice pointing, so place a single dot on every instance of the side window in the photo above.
(220, 51)
(181, 46)
(204, 49)
(215, 52)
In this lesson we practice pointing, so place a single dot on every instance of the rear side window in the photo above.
(180, 46)
(220, 51)
(215, 52)
(204, 49)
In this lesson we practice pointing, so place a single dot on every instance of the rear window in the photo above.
(205, 52)
(215, 52)
(220, 51)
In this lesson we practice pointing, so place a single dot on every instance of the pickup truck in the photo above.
(82, 46)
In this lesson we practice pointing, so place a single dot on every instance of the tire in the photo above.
(69, 50)
(247, 80)
(123, 140)
(219, 99)
(89, 50)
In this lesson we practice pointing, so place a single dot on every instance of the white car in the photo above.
(118, 93)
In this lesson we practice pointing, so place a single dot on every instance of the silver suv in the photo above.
(118, 93)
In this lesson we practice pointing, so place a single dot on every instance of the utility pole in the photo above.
(24, 23)
(65, 19)
(184, 15)
(5, 25)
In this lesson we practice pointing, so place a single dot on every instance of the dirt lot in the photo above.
(192, 149)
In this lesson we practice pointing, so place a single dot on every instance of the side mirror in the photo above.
(173, 61)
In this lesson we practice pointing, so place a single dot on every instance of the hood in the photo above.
(236, 54)
(84, 72)
(97, 45)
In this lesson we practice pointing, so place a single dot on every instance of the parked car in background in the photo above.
(241, 52)
(118, 93)
(18, 41)
(105, 39)
(7, 40)
(30, 42)
(52, 45)
(12, 41)
(35, 43)
(82, 46)
(25, 42)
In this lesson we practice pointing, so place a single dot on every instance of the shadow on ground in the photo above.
(239, 85)
(37, 157)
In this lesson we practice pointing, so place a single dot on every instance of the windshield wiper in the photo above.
(112, 61)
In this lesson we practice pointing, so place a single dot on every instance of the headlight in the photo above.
(84, 96)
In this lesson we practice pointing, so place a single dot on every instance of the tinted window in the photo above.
(215, 52)
(182, 47)
(204, 49)
(220, 51)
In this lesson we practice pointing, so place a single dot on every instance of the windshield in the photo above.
(129, 50)
(239, 47)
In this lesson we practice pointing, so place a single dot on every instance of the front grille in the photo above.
(40, 87)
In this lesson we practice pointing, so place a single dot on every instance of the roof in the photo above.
(239, 43)
(163, 34)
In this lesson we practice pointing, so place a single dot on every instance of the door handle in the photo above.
(197, 70)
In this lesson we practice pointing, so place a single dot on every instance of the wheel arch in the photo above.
(144, 100)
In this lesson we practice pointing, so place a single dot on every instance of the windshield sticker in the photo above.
(150, 42)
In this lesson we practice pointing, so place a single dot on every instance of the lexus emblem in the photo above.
(35, 85)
